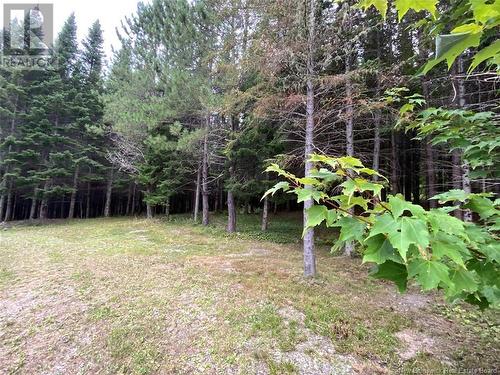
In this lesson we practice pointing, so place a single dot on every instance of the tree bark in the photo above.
(462, 102)
(44, 204)
(8, 211)
(74, 192)
(197, 195)
(265, 215)
(2, 205)
(167, 209)
(349, 131)
(231, 213)
(394, 164)
(309, 256)
(134, 192)
(376, 144)
(33, 205)
(109, 190)
(4, 198)
(204, 176)
(129, 199)
(431, 174)
(87, 207)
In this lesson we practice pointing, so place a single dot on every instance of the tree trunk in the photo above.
(231, 207)
(87, 208)
(265, 215)
(394, 164)
(4, 198)
(33, 205)
(129, 199)
(204, 176)
(167, 209)
(8, 211)
(134, 192)
(349, 132)
(197, 195)
(309, 256)
(109, 189)
(74, 192)
(431, 174)
(376, 144)
(44, 204)
(63, 201)
(2, 204)
(231, 213)
(462, 102)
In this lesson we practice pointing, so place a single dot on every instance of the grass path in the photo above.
(128, 296)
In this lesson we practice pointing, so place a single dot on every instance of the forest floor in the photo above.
(130, 296)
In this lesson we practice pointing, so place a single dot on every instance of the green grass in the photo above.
(282, 229)
(143, 297)
(6, 275)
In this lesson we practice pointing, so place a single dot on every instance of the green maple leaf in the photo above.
(399, 206)
(380, 5)
(463, 281)
(492, 294)
(385, 224)
(392, 271)
(429, 273)
(440, 220)
(451, 196)
(490, 52)
(331, 217)
(306, 194)
(403, 6)
(316, 215)
(351, 229)
(491, 250)
(449, 246)
(379, 250)
(450, 46)
(413, 231)
(481, 205)
(283, 185)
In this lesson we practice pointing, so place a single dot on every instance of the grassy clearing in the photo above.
(128, 296)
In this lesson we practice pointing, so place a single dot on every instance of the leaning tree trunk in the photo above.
(309, 256)
(109, 190)
(72, 201)
(204, 176)
(197, 195)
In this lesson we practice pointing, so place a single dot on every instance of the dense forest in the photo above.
(203, 96)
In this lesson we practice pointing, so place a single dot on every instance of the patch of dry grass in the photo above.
(142, 297)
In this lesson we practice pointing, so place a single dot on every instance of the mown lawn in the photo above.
(130, 296)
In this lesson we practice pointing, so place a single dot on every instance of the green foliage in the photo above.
(403, 240)
(473, 24)
(475, 134)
